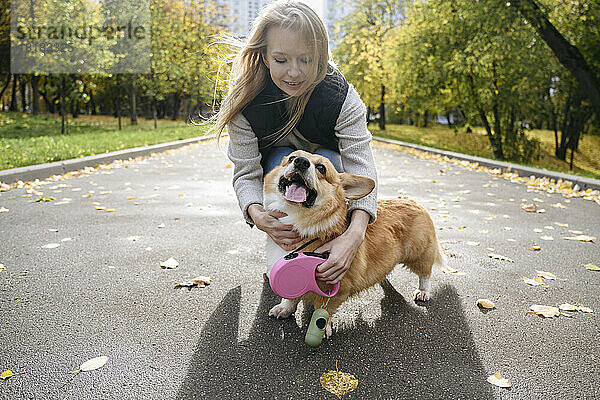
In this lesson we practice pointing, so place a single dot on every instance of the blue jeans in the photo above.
(276, 154)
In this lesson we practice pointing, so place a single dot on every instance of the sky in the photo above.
(316, 5)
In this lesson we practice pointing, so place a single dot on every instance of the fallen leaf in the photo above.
(4, 210)
(537, 281)
(45, 198)
(92, 364)
(567, 307)
(531, 207)
(546, 275)
(576, 232)
(161, 226)
(538, 230)
(558, 205)
(2, 267)
(111, 210)
(67, 239)
(473, 243)
(549, 227)
(171, 263)
(485, 303)
(547, 238)
(200, 281)
(131, 198)
(563, 225)
(581, 238)
(591, 267)
(53, 230)
(535, 248)
(499, 257)
(452, 271)
(585, 309)
(338, 383)
(6, 374)
(545, 311)
(498, 380)
(133, 238)
(50, 246)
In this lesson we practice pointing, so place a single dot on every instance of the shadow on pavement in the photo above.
(409, 353)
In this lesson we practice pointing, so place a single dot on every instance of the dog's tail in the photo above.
(439, 261)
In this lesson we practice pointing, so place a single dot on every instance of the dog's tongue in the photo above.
(295, 193)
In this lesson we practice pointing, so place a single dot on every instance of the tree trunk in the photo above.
(567, 54)
(23, 89)
(35, 100)
(13, 97)
(382, 109)
(176, 105)
(5, 85)
(154, 112)
(133, 106)
(62, 105)
(118, 110)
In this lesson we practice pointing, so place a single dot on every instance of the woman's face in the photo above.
(288, 59)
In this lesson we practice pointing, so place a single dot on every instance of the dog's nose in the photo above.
(301, 163)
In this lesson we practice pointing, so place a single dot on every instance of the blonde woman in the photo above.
(286, 96)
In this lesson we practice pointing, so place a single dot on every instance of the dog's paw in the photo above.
(282, 310)
(421, 295)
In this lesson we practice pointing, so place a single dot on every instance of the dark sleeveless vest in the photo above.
(267, 115)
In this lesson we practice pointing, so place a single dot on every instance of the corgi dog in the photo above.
(314, 196)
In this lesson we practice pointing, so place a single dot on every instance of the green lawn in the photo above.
(27, 140)
(586, 161)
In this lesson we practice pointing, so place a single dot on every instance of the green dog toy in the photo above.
(316, 328)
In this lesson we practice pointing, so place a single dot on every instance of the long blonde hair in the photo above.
(249, 73)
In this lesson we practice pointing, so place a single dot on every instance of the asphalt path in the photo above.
(102, 292)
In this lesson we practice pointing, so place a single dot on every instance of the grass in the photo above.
(27, 140)
(586, 160)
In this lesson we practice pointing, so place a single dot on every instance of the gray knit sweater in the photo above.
(355, 150)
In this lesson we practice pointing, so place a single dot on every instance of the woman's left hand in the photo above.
(342, 249)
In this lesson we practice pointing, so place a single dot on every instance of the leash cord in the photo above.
(304, 245)
(324, 306)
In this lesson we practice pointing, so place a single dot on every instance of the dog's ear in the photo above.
(355, 186)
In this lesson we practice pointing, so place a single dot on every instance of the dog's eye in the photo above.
(320, 168)
(291, 158)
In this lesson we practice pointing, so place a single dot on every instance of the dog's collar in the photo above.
(305, 244)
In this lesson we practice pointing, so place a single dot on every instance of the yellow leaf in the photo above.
(452, 271)
(499, 257)
(4, 210)
(338, 383)
(562, 224)
(537, 281)
(545, 311)
(6, 374)
(200, 281)
(547, 238)
(485, 303)
(535, 248)
(591, 267)
(581, 238)
(546, 275)
(585, 309)
(498, 380)
(111, 210)
(50, 246)
(531, 207)
(131, 198)
(2, 267)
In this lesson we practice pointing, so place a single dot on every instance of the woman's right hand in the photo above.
(268, 221)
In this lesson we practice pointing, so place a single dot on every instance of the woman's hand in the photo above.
(267, 221)
(342, 249)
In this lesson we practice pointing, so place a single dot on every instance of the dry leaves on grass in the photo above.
(498, 380)
(338, 383)
(200, 281)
